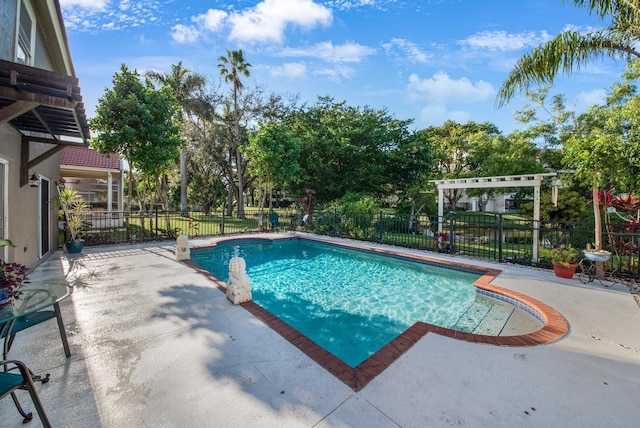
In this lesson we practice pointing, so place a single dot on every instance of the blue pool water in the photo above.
(351, 302)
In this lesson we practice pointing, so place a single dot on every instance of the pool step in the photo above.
(483, 319)
(494, 321)
(497, 319)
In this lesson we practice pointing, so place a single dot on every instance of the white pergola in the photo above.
(507, 181)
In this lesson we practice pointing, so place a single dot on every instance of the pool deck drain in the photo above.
(555, 326)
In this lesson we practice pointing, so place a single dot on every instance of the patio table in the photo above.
(31, 309)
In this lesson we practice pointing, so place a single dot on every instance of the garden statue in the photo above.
(182, 248)
(239, 285)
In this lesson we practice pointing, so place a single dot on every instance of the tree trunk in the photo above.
(260, 208)
(238, 156)
(229, 201)
(598, 226)
(240, 185)
(596, 215)
(184, 210)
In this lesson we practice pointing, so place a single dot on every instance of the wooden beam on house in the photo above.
(44, 123)
(46, 155)
(24, 162)
(16, 109)
(48, 100)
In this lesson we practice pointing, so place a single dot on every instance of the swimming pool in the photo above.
(352, 303)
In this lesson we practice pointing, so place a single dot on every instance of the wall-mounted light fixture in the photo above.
(34, 180)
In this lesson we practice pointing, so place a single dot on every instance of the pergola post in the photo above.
(440, 208)
(110, 198)
(536, 219)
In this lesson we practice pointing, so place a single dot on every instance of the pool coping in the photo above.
(555, 325)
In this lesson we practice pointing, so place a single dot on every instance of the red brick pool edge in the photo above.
(555, 325)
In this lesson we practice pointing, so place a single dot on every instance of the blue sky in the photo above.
(428, 60)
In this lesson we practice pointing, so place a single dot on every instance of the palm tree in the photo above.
(231, 67)
(571, 50)
(184, 84)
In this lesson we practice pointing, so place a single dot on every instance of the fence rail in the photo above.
(489, 236)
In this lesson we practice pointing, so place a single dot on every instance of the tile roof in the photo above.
(80, 156)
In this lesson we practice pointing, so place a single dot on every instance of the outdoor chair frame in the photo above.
(11, 382)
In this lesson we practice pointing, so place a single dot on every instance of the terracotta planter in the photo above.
(563, 271)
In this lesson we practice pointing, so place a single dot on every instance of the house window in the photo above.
(26, 34)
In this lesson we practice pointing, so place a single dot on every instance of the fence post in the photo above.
(156, 226)
(380, 227)
(452, 232)
(222, 223)
(500, 237)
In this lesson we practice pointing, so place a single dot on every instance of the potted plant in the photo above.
(564, 261)
(71, 207)
(12, 278)
(441, 241)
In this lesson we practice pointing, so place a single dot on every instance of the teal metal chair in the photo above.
(274, 220)
(10, 382)
(26, 321)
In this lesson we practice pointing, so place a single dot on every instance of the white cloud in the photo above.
(439, 92)
(268, 20)
(85, 4)
(290, 69)
(184, 33)
(336, 74)
(94, 15)
(353, 4)
(503, 41)
(212, 20)
(209, 22)
(441, 89)
(326, 51)
(408, 49)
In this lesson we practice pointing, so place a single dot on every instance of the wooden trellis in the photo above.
(507, 181)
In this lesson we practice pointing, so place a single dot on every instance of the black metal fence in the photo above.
(497, 237)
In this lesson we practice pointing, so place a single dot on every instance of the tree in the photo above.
(211, 134)
(347, 149)
(514, 154)
(569, 207)
(274, 153)
(184, 84)
(455, 151)
(137, 121)
(208, 164)
(571, 50)
(231, 67)
(605, 148)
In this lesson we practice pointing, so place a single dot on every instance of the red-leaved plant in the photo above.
(307, 202)
(12, 279)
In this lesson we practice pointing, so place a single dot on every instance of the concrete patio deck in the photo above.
(155, 344)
